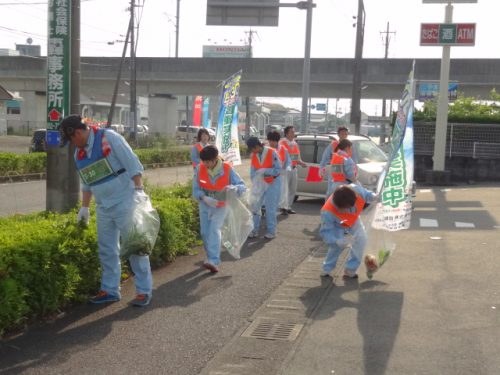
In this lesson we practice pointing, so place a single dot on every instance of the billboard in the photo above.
(226, 51)
(242, 12)
(447, 34)
(430, 91)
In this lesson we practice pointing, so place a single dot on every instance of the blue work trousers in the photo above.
(211, 221)
(270, 199)
(355, 254)
(110, 222)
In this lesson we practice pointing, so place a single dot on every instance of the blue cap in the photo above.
(252, 142)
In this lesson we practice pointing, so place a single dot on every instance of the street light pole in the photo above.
(133, 72)
(442, 105)
(306, 72)
(358, 61)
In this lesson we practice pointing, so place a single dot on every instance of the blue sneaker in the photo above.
(141, 300)
(104, 297)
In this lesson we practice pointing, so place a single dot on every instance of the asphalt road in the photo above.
(192, 315)
(27, 197)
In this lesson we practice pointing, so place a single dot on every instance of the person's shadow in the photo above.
(378, 318)
(86, 325)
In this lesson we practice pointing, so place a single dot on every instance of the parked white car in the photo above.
(369, 158)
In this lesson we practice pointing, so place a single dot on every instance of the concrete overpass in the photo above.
(261, 76)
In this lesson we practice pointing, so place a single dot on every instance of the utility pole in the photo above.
(63, 98)
(73, 195)
(133, 72)
(117, 83)
(358, 61)
(386, 55)
(177, 18)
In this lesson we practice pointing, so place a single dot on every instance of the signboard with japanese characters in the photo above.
(58, 62)
(447, 34)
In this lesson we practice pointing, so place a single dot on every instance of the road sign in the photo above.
(447, 34)
(243, 12)
(447, 1)
(321, 107)
(58, 62)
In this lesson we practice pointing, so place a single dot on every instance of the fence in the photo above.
(478, 141)
(22, 127)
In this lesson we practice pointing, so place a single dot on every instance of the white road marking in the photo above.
(424, 190)
(428, 223)
(459, 224)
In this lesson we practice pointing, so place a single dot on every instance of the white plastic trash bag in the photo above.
(237, 225)
(142, 230)
(259, 187)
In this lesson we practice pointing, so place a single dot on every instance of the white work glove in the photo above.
(83, 215)
(289, 168)
(209, 201)
(345, 242)
(232, 188)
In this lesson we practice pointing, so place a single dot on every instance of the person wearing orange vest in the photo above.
(202, 140)
(265, 164)
(213, 178)
(343, 170)
(273, 137)
(341, 227)
(342, 133)
(291, 176)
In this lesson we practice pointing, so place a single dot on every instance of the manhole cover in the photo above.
(273, 330)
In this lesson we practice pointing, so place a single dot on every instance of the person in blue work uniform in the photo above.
(273, 138)
(202, 139)
(265, 163)
(291, 175)
(212, 180)
(342, 169)
(112, 174)
(341, 227)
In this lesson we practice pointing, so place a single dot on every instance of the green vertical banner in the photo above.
(227, 127)
(58, 64)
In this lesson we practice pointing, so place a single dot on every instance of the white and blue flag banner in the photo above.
(227, 127)
(395, 183)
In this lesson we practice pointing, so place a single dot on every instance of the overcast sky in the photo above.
(332, 35)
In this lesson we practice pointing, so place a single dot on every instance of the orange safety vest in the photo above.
(337, 166)
(293, 151)
(335, 143)
(267, 163)
(199, 147)
(347, 219)
(216, 190)
(281, 151)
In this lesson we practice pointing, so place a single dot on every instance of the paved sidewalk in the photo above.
(432, 309)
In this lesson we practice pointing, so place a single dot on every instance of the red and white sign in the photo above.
(429, 34)
(466, 34)
(447, 34)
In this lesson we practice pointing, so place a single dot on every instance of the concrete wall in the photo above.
(162, 115)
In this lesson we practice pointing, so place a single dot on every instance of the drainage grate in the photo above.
(273, 330)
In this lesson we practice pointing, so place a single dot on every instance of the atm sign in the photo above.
(447, 34)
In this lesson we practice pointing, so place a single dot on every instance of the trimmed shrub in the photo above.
(48, 261)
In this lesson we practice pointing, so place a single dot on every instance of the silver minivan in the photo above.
(369, 158)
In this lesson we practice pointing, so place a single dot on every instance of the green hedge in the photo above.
(48, 261)
(22, 163)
